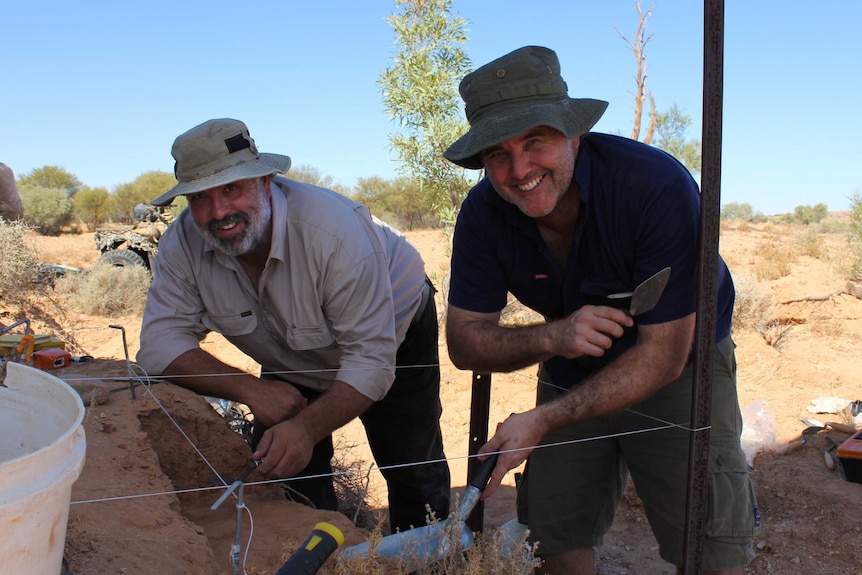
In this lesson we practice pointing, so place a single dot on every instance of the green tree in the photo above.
(311, 175)
(670, 130)
(420, 95)
(50, 177)
(398, 202)
(92, 205)
(810, 214)
(47, 209)
(735, 211)
(143, 189)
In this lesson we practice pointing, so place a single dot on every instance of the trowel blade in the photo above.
(647, 294)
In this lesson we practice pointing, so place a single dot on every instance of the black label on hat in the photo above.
(237, 143)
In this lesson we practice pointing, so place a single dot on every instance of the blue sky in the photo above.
(103, 88)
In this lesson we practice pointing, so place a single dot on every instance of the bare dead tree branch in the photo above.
(638, 47)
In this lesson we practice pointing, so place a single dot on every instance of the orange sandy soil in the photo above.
(137, 460)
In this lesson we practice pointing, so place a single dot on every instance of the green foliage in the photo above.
(742, 212)
(399, 202)
(855, 235)
(145, 188)
(670, 137)
(47, 209)
(50, 177)
(810, 215)
(311, 175)
(92, 205)
(420, 94)
(107, 290)
(18, 266)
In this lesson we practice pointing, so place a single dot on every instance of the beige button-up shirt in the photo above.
(335, 299)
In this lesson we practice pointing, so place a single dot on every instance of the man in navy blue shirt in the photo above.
(564, 219)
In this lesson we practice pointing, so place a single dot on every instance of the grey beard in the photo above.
(255, 224)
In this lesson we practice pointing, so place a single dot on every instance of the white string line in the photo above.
(664, 425)
(327, 370)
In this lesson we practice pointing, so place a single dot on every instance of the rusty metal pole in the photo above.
(480, 409)
(701, 404)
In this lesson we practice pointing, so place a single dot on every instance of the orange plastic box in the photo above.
(850, 454)
(51, 358)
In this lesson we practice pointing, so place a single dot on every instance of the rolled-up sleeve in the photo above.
(363, 319)
(172, 323)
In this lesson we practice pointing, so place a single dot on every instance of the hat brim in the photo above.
(264, 165)
(571, 116)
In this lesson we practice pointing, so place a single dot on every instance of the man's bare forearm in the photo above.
(338, 406)
(202, 373)
(494, 348)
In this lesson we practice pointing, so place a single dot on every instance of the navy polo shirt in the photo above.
(640, 211)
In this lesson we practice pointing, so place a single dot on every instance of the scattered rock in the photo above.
(91, 393)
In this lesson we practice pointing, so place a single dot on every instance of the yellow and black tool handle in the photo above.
(325, 538)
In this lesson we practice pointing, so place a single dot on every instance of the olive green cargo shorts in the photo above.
(570, 492)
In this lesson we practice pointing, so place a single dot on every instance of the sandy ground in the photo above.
(142, 503)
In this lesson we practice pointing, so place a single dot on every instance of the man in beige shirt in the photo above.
(327, 299)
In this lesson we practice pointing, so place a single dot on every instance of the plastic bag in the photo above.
(758, 429)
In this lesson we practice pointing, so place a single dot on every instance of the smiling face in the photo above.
(534, 170)
(235, 217)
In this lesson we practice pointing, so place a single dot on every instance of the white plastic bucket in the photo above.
(42, 448)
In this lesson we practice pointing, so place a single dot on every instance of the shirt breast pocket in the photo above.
(231, 324)
(305, 338)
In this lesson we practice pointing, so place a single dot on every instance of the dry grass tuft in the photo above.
(773, 261)
(490, 554)
(106, 290)
(810, 245)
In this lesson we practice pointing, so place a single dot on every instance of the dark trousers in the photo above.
(402, 429)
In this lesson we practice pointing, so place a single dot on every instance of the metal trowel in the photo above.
(646, 295)
(424, 545)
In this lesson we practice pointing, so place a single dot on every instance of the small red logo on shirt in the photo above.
(541, 276)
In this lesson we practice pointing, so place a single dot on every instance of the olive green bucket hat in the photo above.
(216, 153)
(514, 93)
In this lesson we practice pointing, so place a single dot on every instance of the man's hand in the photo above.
(591, 330)
(273, 401)
(478, 342)
(516, 437)
(285, 449)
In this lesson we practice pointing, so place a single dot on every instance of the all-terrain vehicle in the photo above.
(138, 245)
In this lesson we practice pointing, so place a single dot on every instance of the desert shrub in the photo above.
(832, 225)
(106, 290)
(810, 245)
(18, 265)
(754, 309)
(855, 235)
(773, 262)
(48, 210)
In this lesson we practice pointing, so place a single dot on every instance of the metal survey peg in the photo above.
(128, 363)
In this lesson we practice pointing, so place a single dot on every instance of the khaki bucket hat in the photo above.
(216, 153)
(514, 93)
